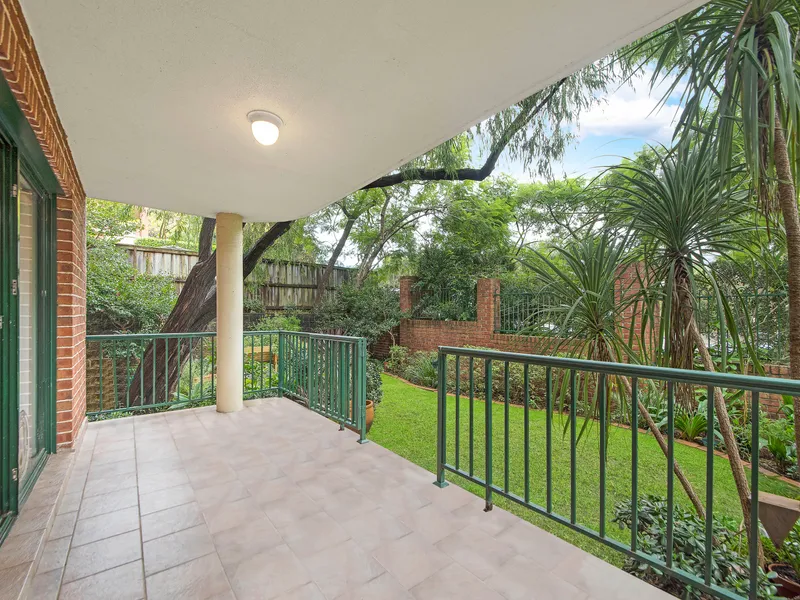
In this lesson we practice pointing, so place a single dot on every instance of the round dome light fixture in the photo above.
(266, 126)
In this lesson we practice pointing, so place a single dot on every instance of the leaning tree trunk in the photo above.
(787, 199)
(322, 282)
(195, 309)
(731, 447)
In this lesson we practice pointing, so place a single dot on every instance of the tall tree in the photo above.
(676, 212)
(742, 57)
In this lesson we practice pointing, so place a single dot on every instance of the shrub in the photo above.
(421, 369)
(281, 322)
(368, 311)
(119, 299)
(252, 305)
(398, 360)
(688, 551)
(374, 383)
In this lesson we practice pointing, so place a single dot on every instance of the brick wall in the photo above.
(20, 65)
(420, 334)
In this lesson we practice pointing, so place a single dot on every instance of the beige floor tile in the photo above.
(106, 503)
(32, 519)
(523, 579)
(102, 555)
(267, 575)
(375, 528)
(12, 579)
(166, 498)
(63, 525)
(476, 551)
(494, 522)
(224, 493)
(105, 526)
(384, 587)
(411, 559)
(20, 549)
(171, 520)
(432, 523)
(453, 583)
(265, 471)
(347, 504)
(309, 591)
(160, 481)
(545, 549)
(46, 586)
(347, 567)
(69, 503)
(106, 485)
(290, 508)
(232, 514)
(176, 548)
(313, 534)
(603, 581)
(125, 582)
(237, 543)
(199, 579)
(54, 555)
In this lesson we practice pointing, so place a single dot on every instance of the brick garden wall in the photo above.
(20, 65)
(428, 335)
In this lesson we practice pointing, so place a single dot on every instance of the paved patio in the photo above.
(276, 502)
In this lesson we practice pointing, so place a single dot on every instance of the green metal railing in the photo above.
(764, 317)
(145, 372)
(468, 444)
(445, 304)
(528, 313)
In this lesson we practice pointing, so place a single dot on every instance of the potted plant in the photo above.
(785, 572)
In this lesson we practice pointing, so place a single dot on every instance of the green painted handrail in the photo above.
(145, 372)
(577, 377)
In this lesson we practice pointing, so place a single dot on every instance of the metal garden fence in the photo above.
(445, 303)
(471, 445)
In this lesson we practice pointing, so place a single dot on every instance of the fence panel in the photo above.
(478, 441)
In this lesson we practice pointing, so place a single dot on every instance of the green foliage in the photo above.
(374, 381)
(119, 299)
(777, 435)
(730, 557)
(150, 242)
(789, 550)
(421, 369)
(691, 426)
(398, 360)
(107, 222)
(252, 305)
(278, 322)
(368, 311)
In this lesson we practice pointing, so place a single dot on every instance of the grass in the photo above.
(405, 423)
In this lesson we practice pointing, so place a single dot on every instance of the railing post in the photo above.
(488, 434)
(361, 380)
(281, 360)
(441, 441)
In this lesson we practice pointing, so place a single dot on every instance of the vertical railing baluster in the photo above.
(548, 393)
(526, 431)
(488, 434)
(166, 370)
(670, 468)
(634, 462)
(471, 416)
(281, 359)
(573, 491)
(342, 399)
(191, 376)
(114, 363)
(601, 397)
(101, 376)
(709, 484)
(441, 413)
(505, 426)
(202, 370)
(127, 375)
(458, 411)
(755, 406)
(180, 367)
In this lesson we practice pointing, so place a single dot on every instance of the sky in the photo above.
(619, 126)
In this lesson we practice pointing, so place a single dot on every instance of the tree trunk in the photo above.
(322, 283)
(662, 442)
(195, 309)
(731, 447)
(787, 199)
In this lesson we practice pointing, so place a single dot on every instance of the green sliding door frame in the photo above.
(21, 155)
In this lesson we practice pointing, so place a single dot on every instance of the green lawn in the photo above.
(405, 422)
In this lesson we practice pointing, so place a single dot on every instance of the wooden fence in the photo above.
(287, 285)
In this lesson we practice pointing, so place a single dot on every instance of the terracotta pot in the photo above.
(787, 588)
(370, 414)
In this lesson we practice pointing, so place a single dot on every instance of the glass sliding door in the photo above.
(31, 438)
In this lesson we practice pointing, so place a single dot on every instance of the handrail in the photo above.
(467, 376)
(769, 385)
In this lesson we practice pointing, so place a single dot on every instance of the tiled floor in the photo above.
(275, 502)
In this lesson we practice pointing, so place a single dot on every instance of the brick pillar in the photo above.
(629, 280)
(71, 319)
(488, 304)
(406, 294)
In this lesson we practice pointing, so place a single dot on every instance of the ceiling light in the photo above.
(266, 126)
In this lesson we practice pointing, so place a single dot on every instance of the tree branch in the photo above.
(206, 236)
(470, 173)
(262, 244)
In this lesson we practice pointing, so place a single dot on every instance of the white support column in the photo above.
(230, 346)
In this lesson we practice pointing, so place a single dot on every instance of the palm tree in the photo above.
(581, 282)
(684, 212)
(742, 56)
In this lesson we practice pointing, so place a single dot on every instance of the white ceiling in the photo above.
(153, 94)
